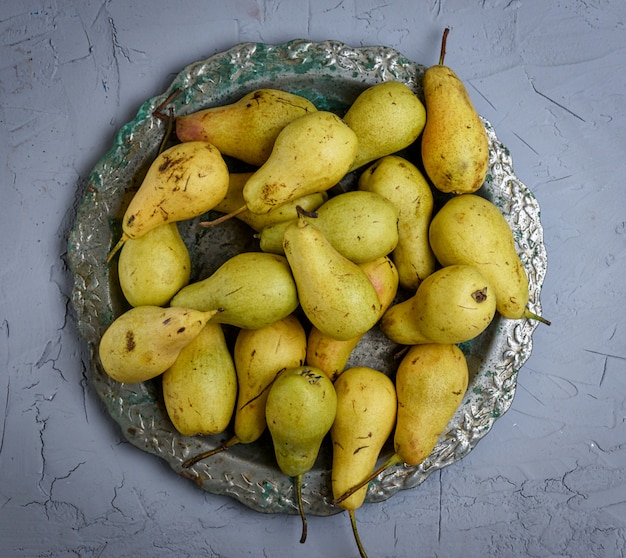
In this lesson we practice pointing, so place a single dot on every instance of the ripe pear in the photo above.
(401, 182)
(332, 355)
(233, 205)
(362, 226)
(455, 146)
(250, 290)
(311, 154)
(300, 410)
(182, 182)
(431, 382)
(365, 418)
(200, 388)
(259, 356)
(452, 305)
(335, 293)
(386, 117)
(247, 128)
(144, 341)
(471, 230)
(154, 267)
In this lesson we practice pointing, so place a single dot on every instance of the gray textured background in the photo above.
(550, 478)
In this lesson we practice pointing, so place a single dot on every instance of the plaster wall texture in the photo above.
(550, 478)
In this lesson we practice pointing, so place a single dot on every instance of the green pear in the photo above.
(247, 128)
(452, 305)
(154, 267)
(386, 118)
(455, 146)
(200, 388)
(362, 226)
(431, 382)
(401, 182)
(250, 290)
(471, 230)
(365, 418)
(335, 293)
(300, 410)
(310, 155)
(144, 341)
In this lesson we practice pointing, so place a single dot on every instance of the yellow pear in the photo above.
(386, 117)
(335, 293)
(300, 410)
(144, 341)
(362, 226)
(250, 290)
(455, 146)
(331, 355)
(200, 388)
(365, 418)
(182, 182)
(452, 305)
(311, 154)
(247, 128)
(401, 182)
(154, 267)
(471, 230)
(431, 382)
(233, 205)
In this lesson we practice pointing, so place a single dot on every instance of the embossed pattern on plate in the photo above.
(331, 74)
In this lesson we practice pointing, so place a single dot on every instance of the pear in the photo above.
(300, 410)
(250, 290)
(455, 146)
(471, 230)
(332, 355)
(233, 205)
(144, 341)
(311, 154)
(452, 305)
(431, 382)
(365, 418)
(154, 267)
(362, 226)
(259, 356)
(335, 293)
(402, 183)
(182, 182)
(200, 388)
(386, 117)
(247, 128)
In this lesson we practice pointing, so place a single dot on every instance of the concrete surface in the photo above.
(550, 478)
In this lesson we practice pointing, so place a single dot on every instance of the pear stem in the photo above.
(224, 217)
(301, 508)
(193, 460)
(116, 248)
(393, 460)
(442, 53)
(532, 316)
(357, 538)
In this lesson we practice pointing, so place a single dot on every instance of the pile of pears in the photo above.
(331, 265)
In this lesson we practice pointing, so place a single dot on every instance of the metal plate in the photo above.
(330, 74)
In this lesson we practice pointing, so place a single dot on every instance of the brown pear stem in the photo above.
(193, 460)
(444, 38)
(357, 538)
(116, 248)
(224, 217)
(301, 508)
(393, 460)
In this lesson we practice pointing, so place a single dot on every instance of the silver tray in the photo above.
(331, 74)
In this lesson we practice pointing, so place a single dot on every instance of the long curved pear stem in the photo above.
(444, 38)
(532, 316)
(355, 531)
(393, 460)
(205, 454)
(116, 248)
(224, 217)
(301, 507)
